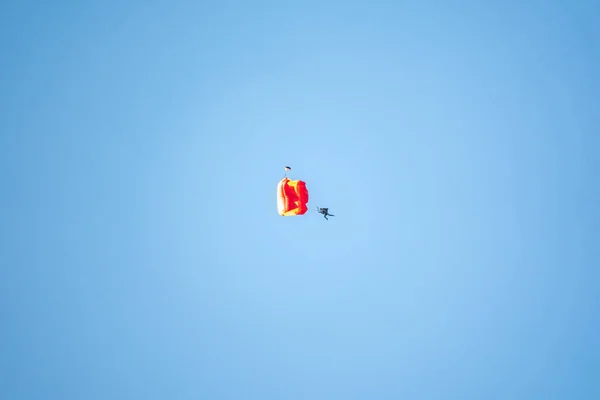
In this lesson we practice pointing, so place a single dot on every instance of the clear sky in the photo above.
(456, 142)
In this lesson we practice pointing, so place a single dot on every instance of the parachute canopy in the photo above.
(292, 197)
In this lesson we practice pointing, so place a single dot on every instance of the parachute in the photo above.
(292, 197)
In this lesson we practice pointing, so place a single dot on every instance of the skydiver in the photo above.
(325, 212)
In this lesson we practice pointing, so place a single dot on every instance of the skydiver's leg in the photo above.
(326, 217)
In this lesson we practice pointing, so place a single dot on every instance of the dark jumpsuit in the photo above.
(325, 212)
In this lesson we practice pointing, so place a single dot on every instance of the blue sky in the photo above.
(142, 254)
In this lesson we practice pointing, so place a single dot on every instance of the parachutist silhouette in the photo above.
(325, 212)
